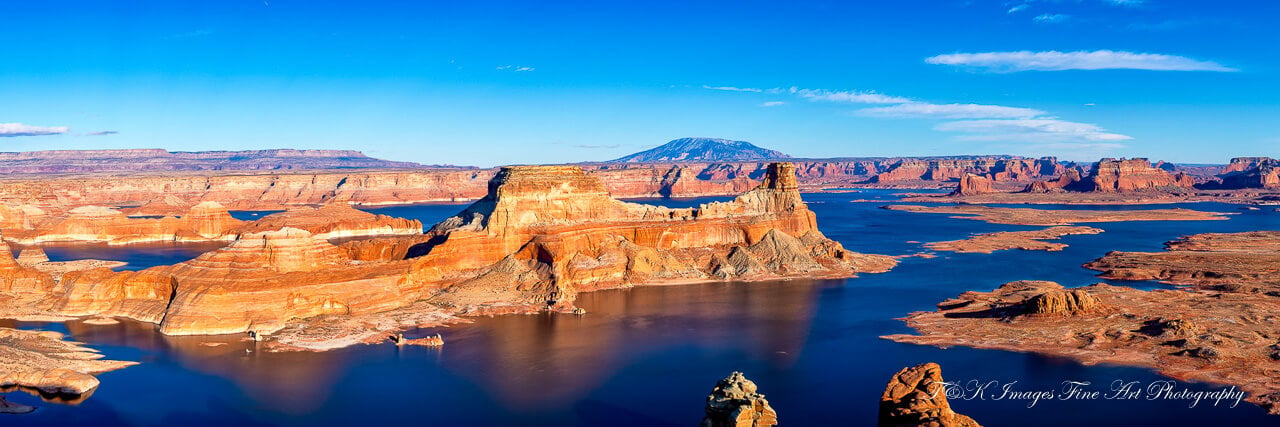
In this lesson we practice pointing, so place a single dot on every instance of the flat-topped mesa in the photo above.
(1136, 174)
(916, 397)
(1251, 172)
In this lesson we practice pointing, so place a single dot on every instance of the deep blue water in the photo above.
(649, 355)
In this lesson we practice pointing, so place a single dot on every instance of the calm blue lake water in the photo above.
(649, 355)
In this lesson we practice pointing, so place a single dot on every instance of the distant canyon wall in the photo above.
(276, 190)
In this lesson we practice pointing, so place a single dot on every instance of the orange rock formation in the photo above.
(915, 397)
(541, 235)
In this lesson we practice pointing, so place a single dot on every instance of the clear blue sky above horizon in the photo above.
(496, 82)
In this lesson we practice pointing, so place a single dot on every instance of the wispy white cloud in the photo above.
(19, 129)
(515, 68)
(950, 111)
(1033, 130)
(1008, 62)
(973, 122)
(102, 133)
(856, 97)
(733, 89)
(1051, 18)
(1126, 2)
(1018, 8)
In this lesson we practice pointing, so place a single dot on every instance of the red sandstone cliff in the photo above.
(1122, 175)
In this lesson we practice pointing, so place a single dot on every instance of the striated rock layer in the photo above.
(207, 221)
(1219, 337)
(540, 236)
(916, 397)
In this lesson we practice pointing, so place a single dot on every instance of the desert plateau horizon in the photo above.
(958, 213)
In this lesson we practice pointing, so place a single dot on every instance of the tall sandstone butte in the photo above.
(541, 235)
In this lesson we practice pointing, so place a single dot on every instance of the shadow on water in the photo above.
(649, 355)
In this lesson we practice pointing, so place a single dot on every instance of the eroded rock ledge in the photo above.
(1232, 262)
(1219, 337)
(1033, 240)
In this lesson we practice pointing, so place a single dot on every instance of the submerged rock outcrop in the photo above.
(916, 397)
(736, 402)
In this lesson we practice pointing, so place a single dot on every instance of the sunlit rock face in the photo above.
(546, 232)
(1121, 175)
(1251, 172)
(207, 221)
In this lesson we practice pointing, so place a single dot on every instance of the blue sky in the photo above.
(493, 82)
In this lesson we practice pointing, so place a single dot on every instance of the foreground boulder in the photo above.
(735, 402)
(915, 397)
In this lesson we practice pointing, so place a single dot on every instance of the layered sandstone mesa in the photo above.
(336, 220)
(264, 280)
(1251, 172)
(1033, 240)
(1123, 175)
(1209, 336)
(545, 233)
(44, 362)
(1240, 262)
(735, 402)
(916, 397)
(207, 221)
(972, 185)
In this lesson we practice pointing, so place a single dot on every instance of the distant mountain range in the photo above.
(702, 149)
